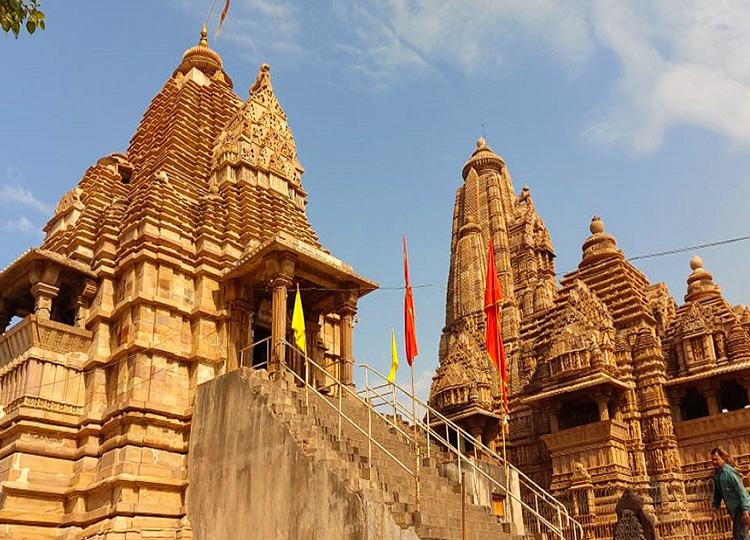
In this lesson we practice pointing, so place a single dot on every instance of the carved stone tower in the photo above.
(166, 266)
(466, 385)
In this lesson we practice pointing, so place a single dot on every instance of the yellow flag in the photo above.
(394, 358)
(298, 323)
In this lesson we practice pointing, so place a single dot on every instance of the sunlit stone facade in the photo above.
(612, 384)
(158, 272)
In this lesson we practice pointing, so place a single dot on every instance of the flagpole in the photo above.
(498, 323)
(417, 495)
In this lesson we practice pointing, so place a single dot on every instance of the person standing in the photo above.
(728, 486)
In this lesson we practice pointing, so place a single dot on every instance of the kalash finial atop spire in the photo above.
(700, 281)
(202, 57)
(599, 245)
(204, 36)
(483, 159)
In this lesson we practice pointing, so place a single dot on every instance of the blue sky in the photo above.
(635, 111)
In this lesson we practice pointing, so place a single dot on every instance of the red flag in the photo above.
(411, 334)
(493, 297)
(221, 19)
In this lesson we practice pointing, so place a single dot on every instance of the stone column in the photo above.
(43, 279)
(44, 294)
(239, 301)
(603, 403)
(280, 269)
(83, 301)
(712, 400)
(476, 432)
(346, 309)
(554, 421)
(279, 285)
(675, 400)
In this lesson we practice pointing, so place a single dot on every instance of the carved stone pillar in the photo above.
(240, 304)
(82, 303)
(554, 421)
(712, 400)
(44, 294)
(240, 334)
(602, 402)
(43, 279)
(675, 400)
(281, 270)
(346, 309)
(280, 285)
(476, 432)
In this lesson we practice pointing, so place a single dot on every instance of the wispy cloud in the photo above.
(22, 225)
(255, 27)
(15, 194)
(686, 63)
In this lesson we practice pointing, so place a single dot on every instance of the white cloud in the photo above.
(681, 63)
(255, 27)
(22, 225)
(375, 50)
(10, 194)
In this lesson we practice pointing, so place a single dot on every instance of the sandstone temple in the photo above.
(612, 384)
(150, 386)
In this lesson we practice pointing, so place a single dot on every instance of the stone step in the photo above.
(315, 427)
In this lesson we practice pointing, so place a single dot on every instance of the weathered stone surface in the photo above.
(153, 278)
(612, 385)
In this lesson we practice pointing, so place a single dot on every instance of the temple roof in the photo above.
(211, 175)
(603, 267)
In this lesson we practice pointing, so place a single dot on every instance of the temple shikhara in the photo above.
(150, 386)
(612, 384)
(156, 273)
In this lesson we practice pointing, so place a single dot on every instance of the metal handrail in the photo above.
(342, 415)
(538, 491)
(251, 346)
(428, 429)
(462, 458)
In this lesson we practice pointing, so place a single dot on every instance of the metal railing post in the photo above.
(393, 392)
(458, 454)
(369, 437)
(307, 382)
(428, 433)
(340, 396)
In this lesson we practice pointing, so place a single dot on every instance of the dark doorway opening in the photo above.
(262, 351)
(733, 396)
(694, 405)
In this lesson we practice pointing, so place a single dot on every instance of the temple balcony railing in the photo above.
(41, 366)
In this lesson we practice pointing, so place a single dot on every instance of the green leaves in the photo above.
(17, 13)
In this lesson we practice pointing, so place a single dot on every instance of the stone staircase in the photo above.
(315, 427)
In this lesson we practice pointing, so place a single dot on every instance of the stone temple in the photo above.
(148, 387)
(612, 384)
(156, 273)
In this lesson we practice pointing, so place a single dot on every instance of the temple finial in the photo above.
(204, 34)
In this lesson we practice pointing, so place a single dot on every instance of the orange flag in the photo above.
(221, 19)
(493, 297)
(411, 334)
